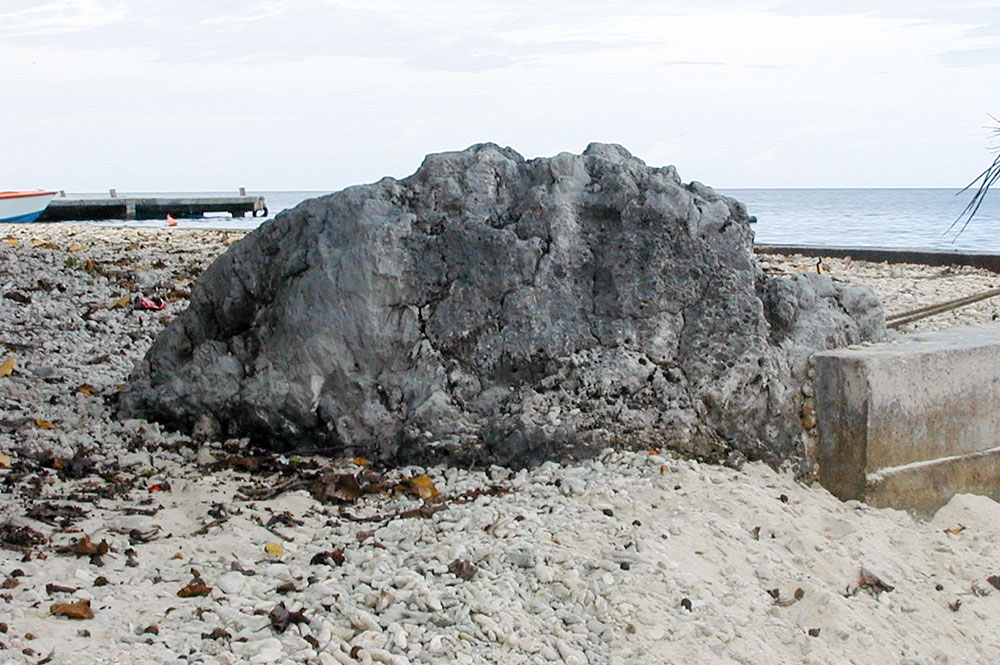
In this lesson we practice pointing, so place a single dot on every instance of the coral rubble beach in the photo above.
(186, 547)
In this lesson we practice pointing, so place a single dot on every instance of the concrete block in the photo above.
(932, 396)
(923, 487)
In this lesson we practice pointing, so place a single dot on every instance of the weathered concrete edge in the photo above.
(923, 487)
(842, 402)
(932, 257)
(929, 396)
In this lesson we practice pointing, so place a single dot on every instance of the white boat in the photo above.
(19, 207)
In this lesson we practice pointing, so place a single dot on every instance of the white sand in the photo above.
(631, 558)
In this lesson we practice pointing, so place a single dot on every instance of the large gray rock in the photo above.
(493, 309)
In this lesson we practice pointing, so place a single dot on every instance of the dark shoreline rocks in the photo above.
(489, 309)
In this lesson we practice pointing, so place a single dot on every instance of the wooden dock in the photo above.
(66, 209)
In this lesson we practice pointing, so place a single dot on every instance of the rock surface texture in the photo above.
(496, 310)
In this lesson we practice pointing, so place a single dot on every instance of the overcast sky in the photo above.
(161, 95)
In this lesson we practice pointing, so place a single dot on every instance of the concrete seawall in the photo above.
(931, 257)
(910, 423)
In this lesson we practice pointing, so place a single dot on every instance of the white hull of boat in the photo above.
(20, 207)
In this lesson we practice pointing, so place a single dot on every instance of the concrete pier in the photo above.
(910, 423)
(63, 209)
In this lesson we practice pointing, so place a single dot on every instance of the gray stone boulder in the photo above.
(497, 310)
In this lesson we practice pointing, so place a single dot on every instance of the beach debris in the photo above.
(462, 569)
(194, 589)
(217, 634)
(84, 546)
(154, 303)
(171, 221)
(78, 610)
(281, 617)
(332, 557)
(55, 514)
(236, 566)
(274, 549)
(955, 530)
(5, 462)
(686, 604)
(980, 588)
(955, 605)
(813, 632)
(994, 580)
(57, 588)
(18, 297)
(7, 367)
(421, 486)
(871, 582)
(786, 602)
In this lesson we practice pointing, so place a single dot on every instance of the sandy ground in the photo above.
(126, 543)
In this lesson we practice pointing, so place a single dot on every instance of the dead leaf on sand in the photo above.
(78, 610)
(281, 618)
(7, 368)
(421, 486)
(869, 580)
(195, 589)
(462, 569)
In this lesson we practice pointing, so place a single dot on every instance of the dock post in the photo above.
(114, 194)
(243, 191)
(129, 208)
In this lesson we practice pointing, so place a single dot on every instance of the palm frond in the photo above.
(985, 181)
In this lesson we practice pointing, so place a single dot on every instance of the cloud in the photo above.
(972, 57)
(695, 63)
(59, 17)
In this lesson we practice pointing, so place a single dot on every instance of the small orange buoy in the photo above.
(171, 221)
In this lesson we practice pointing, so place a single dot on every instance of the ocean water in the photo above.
(826, 217)
(912, 218)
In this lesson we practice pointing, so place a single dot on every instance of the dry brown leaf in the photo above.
(121, 302)
(361, 461)
(7, 368)
(78, 610)
(12, 241)
(422, 486)
(869, 580)
(90, 266)
(4, 461)
(75, 247)
(955, 530)
(274, 549)
(195, 589)
(44, 424)
(86, 547)
(462, 569)
(86, 389)
(339, 486)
